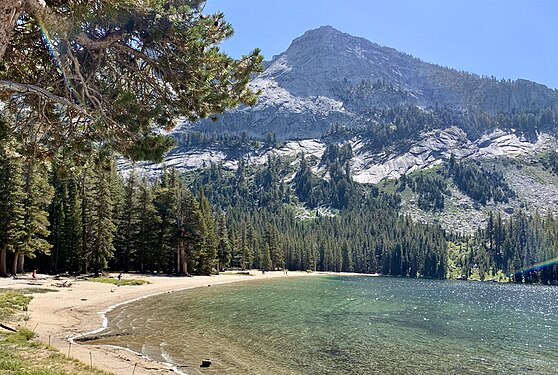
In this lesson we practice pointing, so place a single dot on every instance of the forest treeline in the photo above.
(400, 124)
(89, 218)
(480, 183)
(367, 234)
(522, 248)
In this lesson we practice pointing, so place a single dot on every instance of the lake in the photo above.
(346, 325)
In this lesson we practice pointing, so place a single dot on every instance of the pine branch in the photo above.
(25, 88)
(98, 44)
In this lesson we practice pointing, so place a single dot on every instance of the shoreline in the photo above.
(67, 313)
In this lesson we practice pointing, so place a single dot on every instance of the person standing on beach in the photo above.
(119, 278)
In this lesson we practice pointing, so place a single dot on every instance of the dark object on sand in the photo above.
(13, 330)
(65, 284)
(206, 363)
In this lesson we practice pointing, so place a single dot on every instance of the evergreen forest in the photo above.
(63, 218)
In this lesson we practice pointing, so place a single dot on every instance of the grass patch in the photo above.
(28, 290)
(22, 338)
(114, 281)
(13, 302)
(20, 355)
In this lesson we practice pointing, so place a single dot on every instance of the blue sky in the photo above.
(505, 38)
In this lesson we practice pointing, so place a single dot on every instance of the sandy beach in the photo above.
(58, 316)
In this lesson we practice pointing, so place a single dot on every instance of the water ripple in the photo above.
(348, 325)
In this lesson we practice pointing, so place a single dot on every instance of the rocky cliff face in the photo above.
(327, 78)
(439, 145)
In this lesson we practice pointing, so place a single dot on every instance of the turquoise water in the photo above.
(347, 325)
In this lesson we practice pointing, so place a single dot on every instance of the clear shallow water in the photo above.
(347, 325)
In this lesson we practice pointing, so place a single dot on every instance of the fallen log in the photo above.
(101, 336)
(7, 328)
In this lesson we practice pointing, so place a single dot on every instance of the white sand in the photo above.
(56, 317)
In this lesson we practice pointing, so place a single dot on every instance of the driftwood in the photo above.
(65, 284)
(8, 328)
(100, 337)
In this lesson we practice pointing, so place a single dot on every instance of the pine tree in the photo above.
(234, 242)
(347, 258)
(103, 228)
(311, 256)
(73, 226)
(88, 187)
(12, 195)
(165, 201)
(58, 220)
(303, 181)
(246, 252)
(252, 250)
(149, 222)
(65, 216)
(275, 247)
(128, 223)
(136, 65)
(223, 245)
(266, 258)
(208, 246)
(37, 198)
(189, 232)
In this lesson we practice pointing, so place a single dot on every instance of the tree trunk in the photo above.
(126, 265)
(9, 12)
(54, 259)
(21, 263)
(84, 266)
(3, 265)
(178, 260)
(97, 262)
(14, 264)
(184, 261)
(181, 259)
(185, 265)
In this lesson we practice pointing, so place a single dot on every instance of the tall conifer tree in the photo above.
(128, 222)
(223, 245)
(12, 195)
(189, 233)
(165, 201)
(37, 197)
(208, 248)
(103, 228)
(149, 222)
(73, 226)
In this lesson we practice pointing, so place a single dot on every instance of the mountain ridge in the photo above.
(321, 92)
(335, 78)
